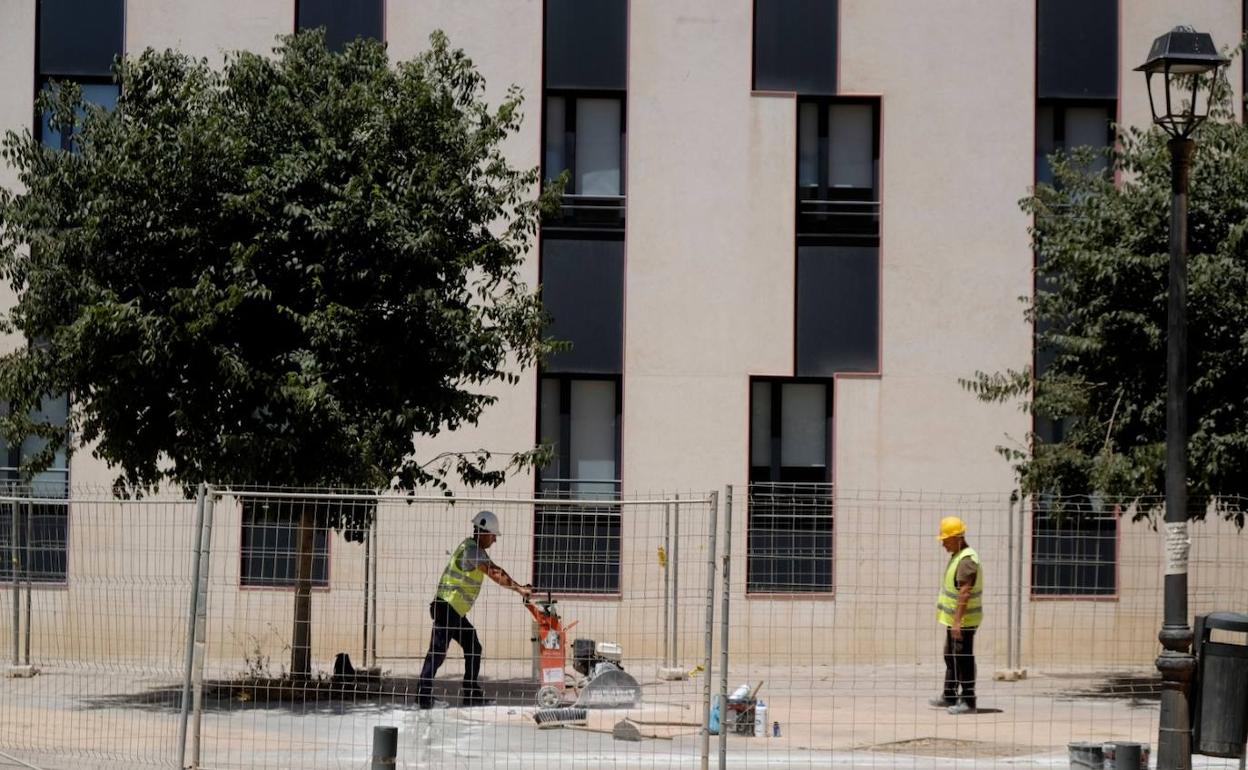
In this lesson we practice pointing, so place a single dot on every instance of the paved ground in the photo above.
(829, 718)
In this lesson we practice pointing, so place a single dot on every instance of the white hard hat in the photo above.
(486, 521)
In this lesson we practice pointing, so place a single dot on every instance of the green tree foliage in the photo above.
(1102, 245)
(278, 272)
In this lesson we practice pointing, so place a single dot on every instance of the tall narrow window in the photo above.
(789, 538)
(585, 137)
(576, 546)
(838, 171)
(42, 523)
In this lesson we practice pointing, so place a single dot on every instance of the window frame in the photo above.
(25, 530)
(323, 585)
(570, 98)
(824, 191)
(774, 456)
(1058, 129)
(45, 82)
(1055, 592)
(563, 450)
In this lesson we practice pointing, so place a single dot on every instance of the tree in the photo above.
(276, 273)
(1099, 311)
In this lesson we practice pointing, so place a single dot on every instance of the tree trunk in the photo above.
(301, 635)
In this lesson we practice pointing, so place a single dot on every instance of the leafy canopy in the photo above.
(278, 272)
(1102, 255)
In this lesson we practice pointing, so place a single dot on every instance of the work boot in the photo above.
(961, 707)
(941, 703)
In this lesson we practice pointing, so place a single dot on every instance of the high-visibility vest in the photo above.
(458, 588)
(947, 604)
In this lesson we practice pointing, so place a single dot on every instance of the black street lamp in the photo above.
(1186, 59)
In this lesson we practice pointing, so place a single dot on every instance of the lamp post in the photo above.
(1184, 59)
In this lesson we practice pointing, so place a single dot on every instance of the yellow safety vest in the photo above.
(947, 604)
(458, 588)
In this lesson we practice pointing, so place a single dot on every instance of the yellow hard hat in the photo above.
(951, 526)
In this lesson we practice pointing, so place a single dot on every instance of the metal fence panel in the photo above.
(628, 571)
(99, 640)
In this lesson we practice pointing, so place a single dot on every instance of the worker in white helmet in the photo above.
(457, 590)
(960, 609)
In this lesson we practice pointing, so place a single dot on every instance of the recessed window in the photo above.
(270, 545)
(585, 137)
(42, 522)
(42, 540)
(1066, 125)
(838, 154)
(1074, 551)
(789, 538)
(102, 94)
(795, 46)
(344, 22)
(80, 38)
(576, 545)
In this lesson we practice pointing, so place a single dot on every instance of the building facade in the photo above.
(790, 227)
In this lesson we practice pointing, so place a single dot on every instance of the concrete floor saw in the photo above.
(598, 678)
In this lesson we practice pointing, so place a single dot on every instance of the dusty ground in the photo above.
(829, 717)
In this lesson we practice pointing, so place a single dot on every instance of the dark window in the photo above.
(1074, 552)
(80, 37)
(838, 316)
(586, 44)
(93, 92)
(576, 545)
(583, 291)
(343, 20)
(838, 172)
(42, 524)
(42, 539)
(270, 545)
(1077, 49)
(585, 136)
(795, 46)
(1064, 125)
(1067, 124)
(789, 537)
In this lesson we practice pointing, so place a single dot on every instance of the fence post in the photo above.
(667, 583)
(30, 539)
(15, 566)
(709, 640)
(1018, 582)
(201, 628)
(1009, 598)
(368, 560)
(385, 747)
(675, 562)
(190, 625)
(376, 558)
(723, 632)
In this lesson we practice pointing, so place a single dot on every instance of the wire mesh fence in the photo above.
(168, 634)
(836, 655)
(97, 592)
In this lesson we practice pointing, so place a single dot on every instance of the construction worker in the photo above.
(960, 610)
(457, 590)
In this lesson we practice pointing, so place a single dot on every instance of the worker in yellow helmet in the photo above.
(960, 610)
(457, 591)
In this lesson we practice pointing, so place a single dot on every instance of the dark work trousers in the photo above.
(450, 625)
(960, 666)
